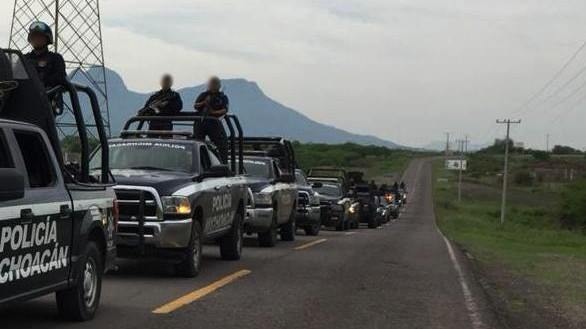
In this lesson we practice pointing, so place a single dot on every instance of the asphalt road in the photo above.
(398, 276)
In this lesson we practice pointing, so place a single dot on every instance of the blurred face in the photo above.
(166, 82)
(214, 84)
(38, 41)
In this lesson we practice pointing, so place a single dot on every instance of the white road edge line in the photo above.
(469, 301)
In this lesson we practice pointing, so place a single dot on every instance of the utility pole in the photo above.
(508, 122)
(461, 149)
(447, 145)
(547, 143)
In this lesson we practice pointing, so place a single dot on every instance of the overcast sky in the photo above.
(405, 70)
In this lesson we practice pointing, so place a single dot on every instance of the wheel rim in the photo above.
(90, 282)
(196, 250)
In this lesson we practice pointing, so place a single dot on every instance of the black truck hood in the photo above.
(165, 182)
(329, 198)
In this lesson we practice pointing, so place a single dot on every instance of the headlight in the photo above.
(265, 199)
(176, 205)
(352, 209)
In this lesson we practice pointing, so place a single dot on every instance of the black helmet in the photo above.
(41, 28)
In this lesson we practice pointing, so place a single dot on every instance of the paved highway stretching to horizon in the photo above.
(403, 275)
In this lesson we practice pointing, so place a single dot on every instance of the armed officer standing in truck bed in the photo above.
(165, 102)
(213, 103)
(50, 66)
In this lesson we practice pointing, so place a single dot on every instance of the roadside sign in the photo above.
(456, 164)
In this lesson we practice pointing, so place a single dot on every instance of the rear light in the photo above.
(115, 214)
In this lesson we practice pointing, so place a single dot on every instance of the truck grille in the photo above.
(303, 199)
(129, 205)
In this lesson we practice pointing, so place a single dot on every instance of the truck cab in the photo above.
(57, 228)
(175, 194)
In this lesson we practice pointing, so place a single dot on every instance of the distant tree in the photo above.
(499, 147)
(565, 150)
(540, 155)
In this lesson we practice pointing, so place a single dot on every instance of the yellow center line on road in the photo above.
(310, 244)
(200, 293)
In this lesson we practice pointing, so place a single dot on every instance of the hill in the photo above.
(260, 115)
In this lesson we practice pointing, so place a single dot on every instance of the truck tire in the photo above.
(191, 265)
(342, 224)
(269, 238)
(288, 229)
(231, 243)
(313, 230)
(81, 302)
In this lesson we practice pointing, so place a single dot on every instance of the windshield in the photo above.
(330, 190)
(147, 156)
(257, 168)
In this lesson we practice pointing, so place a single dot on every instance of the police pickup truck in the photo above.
(56, 227)
(308, 204)
(269, 163)
(174, 193)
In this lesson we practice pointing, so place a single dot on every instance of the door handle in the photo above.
(65, 211)
(27, 216)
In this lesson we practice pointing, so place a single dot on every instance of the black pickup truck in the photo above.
(57, 227)
(270, 168)
(175, 194)
(308, 204)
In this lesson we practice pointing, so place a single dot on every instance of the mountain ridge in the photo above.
(249, 102)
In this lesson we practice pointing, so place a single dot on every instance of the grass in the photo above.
(529, 248)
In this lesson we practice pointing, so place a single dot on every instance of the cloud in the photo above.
(405, 70)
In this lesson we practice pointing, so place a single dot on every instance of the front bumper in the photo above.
(333, 216)
(307, 216)
(169, 234)
(258, 220)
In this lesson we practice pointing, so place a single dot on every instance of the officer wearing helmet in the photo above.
(50, 66)
(214, 104)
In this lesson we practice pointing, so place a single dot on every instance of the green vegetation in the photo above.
(72, 144)
(377, 162)
(536, 261)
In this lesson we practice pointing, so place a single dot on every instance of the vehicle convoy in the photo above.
(269, 163)
(308, 204)
(57, 226)
(175, 194)
(337, 208)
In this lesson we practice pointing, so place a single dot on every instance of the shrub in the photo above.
(573, 206)
(541, 155)
(524, 178)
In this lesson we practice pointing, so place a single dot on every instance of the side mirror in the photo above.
(216, 172)
(317, 185)
(12, 187)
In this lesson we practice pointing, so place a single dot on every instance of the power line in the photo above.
(525, 105)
